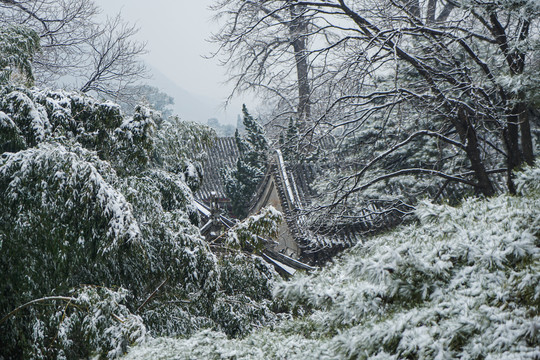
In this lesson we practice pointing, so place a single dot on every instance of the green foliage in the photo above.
(130, 144)
(29, 118)
(17, 48)
(62, 224)
(98, 236)
(241, 182)
(65, 224)
(10, 136)
(245, 298)
(135, 139)
(289, 142)
(44, 114)
(250, 233)
(57, 201)
(462, 283)
(97, 314)
(180, 148)
(89, 196)
(108, 324)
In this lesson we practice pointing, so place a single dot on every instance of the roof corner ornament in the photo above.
(215, 211)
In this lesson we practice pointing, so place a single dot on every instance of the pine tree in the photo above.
(241, 182)
(289, 142)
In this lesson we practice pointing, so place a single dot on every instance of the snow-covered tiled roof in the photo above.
(223, 153)
(292, 181)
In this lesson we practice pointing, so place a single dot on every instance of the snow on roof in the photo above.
(203, 209)
(223, 153)
(283, 171)
(289, 270)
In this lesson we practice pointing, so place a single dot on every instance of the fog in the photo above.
(177, 33)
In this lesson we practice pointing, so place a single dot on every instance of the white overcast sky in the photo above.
(176, 32)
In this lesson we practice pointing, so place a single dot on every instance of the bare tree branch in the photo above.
(77, 47)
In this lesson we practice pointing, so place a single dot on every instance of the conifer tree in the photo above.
(289, 142)
(241, 181)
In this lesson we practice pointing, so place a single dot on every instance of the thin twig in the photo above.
(16, 310)
(152, 295)
(61, 322)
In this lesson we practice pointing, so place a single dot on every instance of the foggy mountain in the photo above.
(189, 106)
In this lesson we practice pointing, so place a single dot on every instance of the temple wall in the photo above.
(270, 196)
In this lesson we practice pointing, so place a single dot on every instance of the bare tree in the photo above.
(115, 63)
(77, 47)
(265, 45)
(454, 62)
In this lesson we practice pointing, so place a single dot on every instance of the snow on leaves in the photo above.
(68, 182)
(253, 231)
(29, 116)
(97, 221)
(17, 48)
(102, 316)
(464, 283)
(85, 201)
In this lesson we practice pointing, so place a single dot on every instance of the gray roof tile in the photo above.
(223, 153)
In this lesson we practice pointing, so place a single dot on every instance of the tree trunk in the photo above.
(526, 137)
(413, 7)
(298, 31)
(431, 9)
(468, 136)
(517, 124)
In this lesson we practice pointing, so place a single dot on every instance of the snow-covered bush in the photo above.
(10, 137)
(58, 207)
(177, 141)
(89, 196)
(245, 295)
(100, 314)
(248, 234)
(99, 245)
(96, 314)
(17, 48)
(135, 141)
(463, 283)
(528, 181)
(64, 221)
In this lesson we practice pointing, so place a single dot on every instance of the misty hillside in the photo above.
(194, 107)
(187, 105)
